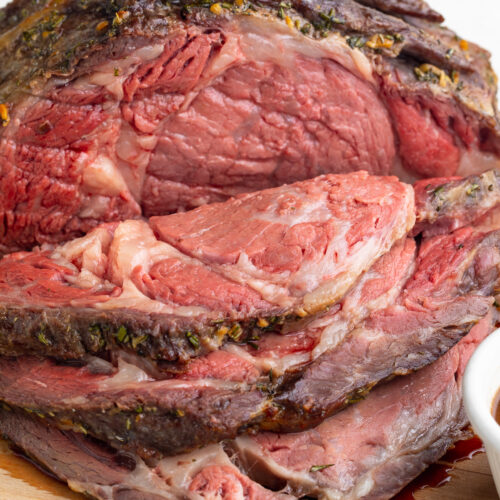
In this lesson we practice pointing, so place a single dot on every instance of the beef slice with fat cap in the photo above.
(176, 288)
(99, 472)
(445, 204)
(116, 110)
(371, 450)
(443, 295)
(374, 448)
(179, 285)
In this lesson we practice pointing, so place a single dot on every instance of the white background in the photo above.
(475, 20)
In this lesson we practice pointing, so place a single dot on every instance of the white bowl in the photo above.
(481, 384)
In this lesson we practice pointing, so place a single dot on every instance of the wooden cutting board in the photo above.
(19, 480)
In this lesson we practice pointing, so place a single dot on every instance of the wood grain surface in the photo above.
(19, 480)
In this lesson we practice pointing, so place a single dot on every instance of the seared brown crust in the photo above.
(71, 333)
(443, 205)
(39, 40)
(417, 8)
(169, 421)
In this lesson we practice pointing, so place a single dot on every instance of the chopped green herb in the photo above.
(471, 190)
(193, 339)
(459, 247)
(138, 340)
(355, 42)
(43, 339)
(122, 335)
(306, 28)
(116, 72)
(139, 409)
(253, 345)
(438, 190)
(128, 424)
(235, 332)
(316, 468)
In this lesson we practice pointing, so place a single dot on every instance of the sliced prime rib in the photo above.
(445, 204)
(113, 110)
(96, 470)
(297, 379)
(177, 286)
(370, 450)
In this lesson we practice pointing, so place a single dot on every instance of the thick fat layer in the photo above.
(288, 251)
(368, 451)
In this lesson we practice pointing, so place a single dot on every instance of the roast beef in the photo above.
(179, 285)
(116, 109)
(232, 391)
(99, 472)
(370, 450)
(446, 204)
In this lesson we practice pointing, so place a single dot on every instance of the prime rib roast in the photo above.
(276, 315)
(117, 109)
(370, 450)
(216, 280)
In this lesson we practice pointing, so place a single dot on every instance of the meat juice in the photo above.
(495, 407)
(439, 474)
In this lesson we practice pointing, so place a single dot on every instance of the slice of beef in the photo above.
(368, 451)
(445, 204)
(456, 276)
(374, 448)
(177, 286)
(113, 110)
(230, 391)
(99, 472)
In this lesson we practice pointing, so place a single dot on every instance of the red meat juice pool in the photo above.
(438, 474)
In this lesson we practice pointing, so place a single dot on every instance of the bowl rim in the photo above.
(477, 406)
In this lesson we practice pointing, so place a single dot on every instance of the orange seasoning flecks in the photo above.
(4, 114)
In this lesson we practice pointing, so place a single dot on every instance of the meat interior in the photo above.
(155, 122)
(370, 450)
(229, 415)
(177, 286)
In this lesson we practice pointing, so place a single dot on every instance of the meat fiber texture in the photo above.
(178, 286)
(370, 450)
(112, 110)
(407, 309)
(404, 314)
